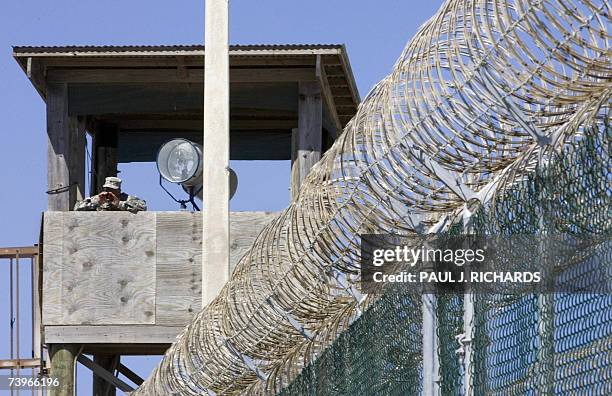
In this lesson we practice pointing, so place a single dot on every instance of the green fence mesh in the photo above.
(549, 344)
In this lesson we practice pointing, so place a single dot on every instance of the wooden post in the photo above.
(66, 151)
(100, 386)
(215, 216)
(105, 154)
(307, 138)
(63, 359)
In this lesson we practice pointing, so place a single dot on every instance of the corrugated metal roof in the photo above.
(163, 49)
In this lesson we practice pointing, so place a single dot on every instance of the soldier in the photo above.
(111, 199)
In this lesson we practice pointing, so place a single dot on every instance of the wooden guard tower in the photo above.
(116, 283)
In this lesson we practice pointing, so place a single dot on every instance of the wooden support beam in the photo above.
(196, 76)
(129, 374)
(63, 359)
(328, 97)
(103, 373)
(308, 136)
(110, 363)
(66, 151)
(215, 233)
(105, 156)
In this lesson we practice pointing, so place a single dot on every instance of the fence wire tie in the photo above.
(463, 341)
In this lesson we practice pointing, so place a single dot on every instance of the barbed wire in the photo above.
(483, 92)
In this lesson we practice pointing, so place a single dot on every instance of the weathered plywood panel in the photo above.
(118, 268)
(179, 259)
(179, 266)
(53, 223)
(244, 229)
(107, 269)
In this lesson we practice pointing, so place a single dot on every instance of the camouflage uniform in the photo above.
(127, 203)
(108, 201)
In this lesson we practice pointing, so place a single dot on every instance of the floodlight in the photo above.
(180, 161)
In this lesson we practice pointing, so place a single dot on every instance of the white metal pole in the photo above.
(215, 214)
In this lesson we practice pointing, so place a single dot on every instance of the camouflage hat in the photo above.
(112, 182)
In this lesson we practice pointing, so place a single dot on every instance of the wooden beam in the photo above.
(215, 229)
(174, 99)
(103, 373)
(105, 149)
(254, 124)
(23, 252)
(63, 358)
(100, 386)
(10, 364)
(246, 145)
(328, 97)
(189, 75)
(307, 143)
(129, 374)
(66, 151)
(115, 334)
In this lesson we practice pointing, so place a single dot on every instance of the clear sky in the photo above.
(375, 33)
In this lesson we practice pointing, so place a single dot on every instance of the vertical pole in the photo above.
(65, 153)
(306, 140)
(215, 216)
(468, 317)
(63, 358)
(431, 386)
(11, 315)
(17, 319)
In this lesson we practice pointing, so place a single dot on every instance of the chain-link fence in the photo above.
(529, 344)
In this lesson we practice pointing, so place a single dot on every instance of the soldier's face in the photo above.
(113, 190)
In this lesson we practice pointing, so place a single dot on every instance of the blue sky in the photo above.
(374, 32)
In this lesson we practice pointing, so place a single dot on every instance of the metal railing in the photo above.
(20, 362)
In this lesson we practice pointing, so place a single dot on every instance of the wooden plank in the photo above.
(179, 267)
(10, 364)
(93, 259)
(253, 124)
(216, 151)
(244, 229)
(309, 135)
(66, 140)
(194, 76)
(246, 145)
(328, 97)
(113, 334)
(174, 98)
(113, 254)
(53, 223)
(22, 251)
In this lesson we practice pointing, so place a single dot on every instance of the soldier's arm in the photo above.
(86, 205)
(133, 204)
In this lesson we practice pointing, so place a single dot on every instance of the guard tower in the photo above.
(116, 283)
